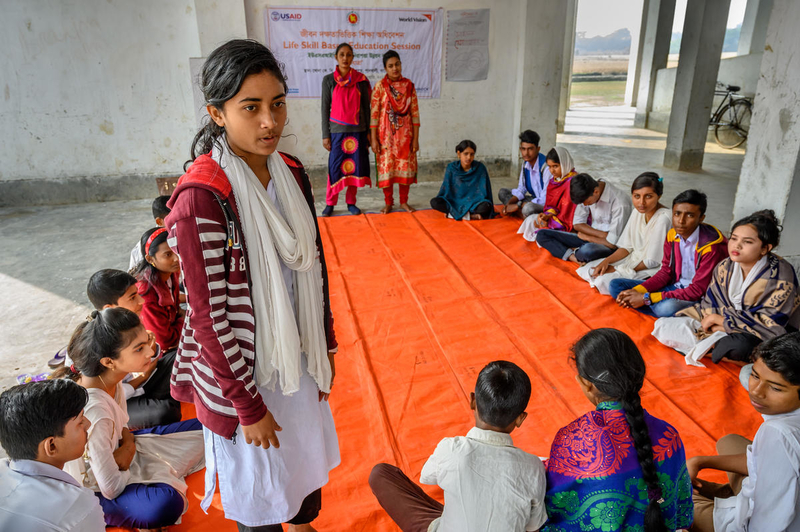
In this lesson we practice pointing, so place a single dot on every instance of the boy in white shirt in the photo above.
(42, 427)
(763, 492)
(600, 217)
(488, 484)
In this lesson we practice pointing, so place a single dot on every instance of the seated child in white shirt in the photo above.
(42, 427)
(764, 475)
(488, 483)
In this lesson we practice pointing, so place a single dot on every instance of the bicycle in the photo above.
(731, 119)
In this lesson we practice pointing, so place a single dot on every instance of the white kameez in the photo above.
(159, 458)
(644, 242)
(680, 332)
(267, 486)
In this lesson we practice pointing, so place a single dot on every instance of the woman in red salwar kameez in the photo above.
(394, 129)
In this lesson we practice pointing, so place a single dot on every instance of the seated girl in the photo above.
(616, 467)
(640, 248)
(466, 192)
(158, 278)
(558, 207)
(750, 299)
(138, 477)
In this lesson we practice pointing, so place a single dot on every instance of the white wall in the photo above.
(95, 87)
(482, 111)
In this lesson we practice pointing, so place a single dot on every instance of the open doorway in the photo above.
(604, 33)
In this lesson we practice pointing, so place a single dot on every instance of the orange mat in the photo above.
(421, 304)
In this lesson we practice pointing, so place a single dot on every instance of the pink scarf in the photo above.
(346, 102)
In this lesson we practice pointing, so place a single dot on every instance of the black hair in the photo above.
(502, 393)
(104, 334)
(107, 286)
(36, 411)
(388, 55)
(692, 197)
(552, 155)
(766, 225)
(160, 209)
(223, 74)
(144, 271)
(782, 355)
(529, 137)
(610, 360)
(581, 188)
(464, 144)
(648, 179)
(343, 45)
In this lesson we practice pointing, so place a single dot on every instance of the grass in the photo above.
(597, 93)
(599, 65)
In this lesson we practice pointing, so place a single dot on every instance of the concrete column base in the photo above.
(640, 120)
(686, 160)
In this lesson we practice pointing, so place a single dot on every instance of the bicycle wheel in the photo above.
(734, 124)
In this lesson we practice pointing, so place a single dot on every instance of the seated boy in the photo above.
(42, 427)
(488, 483)
(609, 208)
(149, 400)
(763, 475)
(529, 196)
(160, 211)
(692, 250)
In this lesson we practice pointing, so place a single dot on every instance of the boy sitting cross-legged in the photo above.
(41, 428)
(488, 483)
(763, 474)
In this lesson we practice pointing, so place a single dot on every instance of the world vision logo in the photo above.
(353, 18)
(296, 17)
(424, 18)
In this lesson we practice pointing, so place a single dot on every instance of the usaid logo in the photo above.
(275, 16)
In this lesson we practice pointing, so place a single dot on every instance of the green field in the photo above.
(597, 93)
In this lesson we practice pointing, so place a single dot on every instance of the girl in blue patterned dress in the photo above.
(616, 467)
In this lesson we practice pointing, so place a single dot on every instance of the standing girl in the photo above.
(617, 467)
(345, 130)
(394, 126)
(256, 356)
(558, 207)
(158, 276)
(138, 476)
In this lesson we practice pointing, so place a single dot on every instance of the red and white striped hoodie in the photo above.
(214, 365)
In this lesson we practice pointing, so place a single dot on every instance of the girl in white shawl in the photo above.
(641, 246)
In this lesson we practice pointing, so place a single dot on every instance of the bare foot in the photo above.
(511, 208)
(475, 217)
(302, 528)
(407, 207)
(572, 258)
(386, 209)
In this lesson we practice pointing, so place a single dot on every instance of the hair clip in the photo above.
(660, 179)
(602, 376)
(90, 318)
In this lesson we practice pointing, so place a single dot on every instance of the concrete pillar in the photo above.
(219, 21)
(695, 79)
(770, 177)
(566, 69)
(635, 58)
(539, 62)
(754, 27)
(657, 34)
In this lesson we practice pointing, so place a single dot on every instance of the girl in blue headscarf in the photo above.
(466, 191)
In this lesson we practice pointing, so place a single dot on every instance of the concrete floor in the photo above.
(50, 252)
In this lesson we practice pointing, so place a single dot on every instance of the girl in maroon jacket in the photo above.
(256, 354)
(158, 283)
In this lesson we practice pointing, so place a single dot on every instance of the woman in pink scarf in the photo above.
(345, 130)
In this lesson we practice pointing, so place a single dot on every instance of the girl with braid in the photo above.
(616, 467)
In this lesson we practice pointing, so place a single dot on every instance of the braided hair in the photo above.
(610, 360)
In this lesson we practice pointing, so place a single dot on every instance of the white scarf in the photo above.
(270, 239)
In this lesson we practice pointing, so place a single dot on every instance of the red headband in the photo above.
(155, 234)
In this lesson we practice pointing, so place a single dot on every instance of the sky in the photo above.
(601, 17)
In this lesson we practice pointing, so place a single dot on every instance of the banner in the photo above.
(305, 39)
(467, 45)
